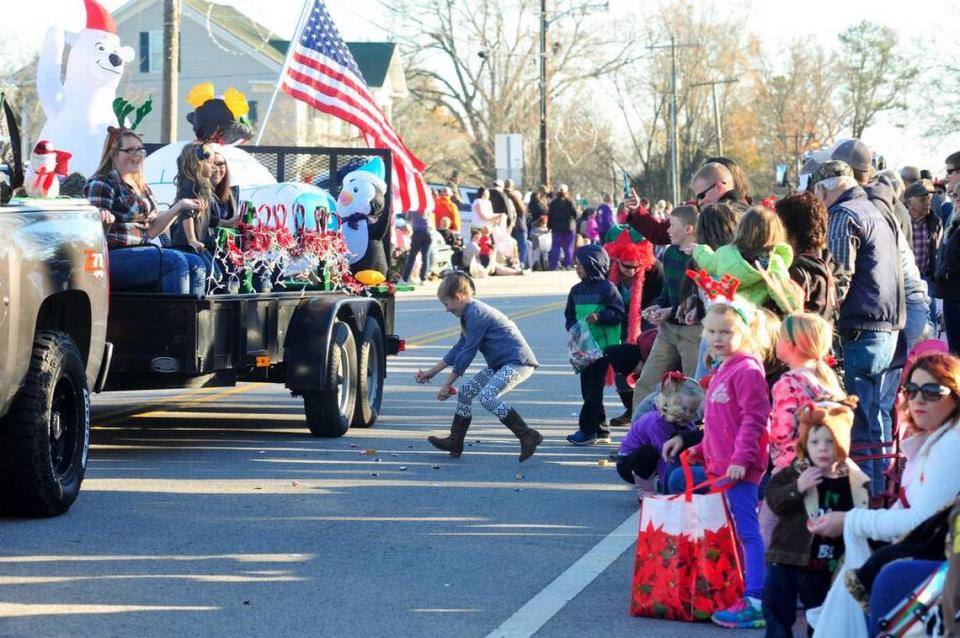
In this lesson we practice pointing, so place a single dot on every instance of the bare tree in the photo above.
(873, 74)
(478, 60)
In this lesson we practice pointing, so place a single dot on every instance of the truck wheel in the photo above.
(370, 374)
(330, 410)
(45, 436)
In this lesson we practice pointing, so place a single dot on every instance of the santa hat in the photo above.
(623, 248)
(373, 172)
(42, 148)
(99, 18)
(836, 416)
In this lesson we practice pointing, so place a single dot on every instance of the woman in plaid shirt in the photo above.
(131, 219)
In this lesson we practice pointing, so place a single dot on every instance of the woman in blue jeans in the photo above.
(131, 218)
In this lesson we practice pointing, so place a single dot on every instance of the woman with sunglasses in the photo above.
(131, 220)
(929, 412)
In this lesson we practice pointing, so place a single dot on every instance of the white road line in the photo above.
(545, 605)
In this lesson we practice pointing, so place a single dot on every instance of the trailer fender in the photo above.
(305, 347)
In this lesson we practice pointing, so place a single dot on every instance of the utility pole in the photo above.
(716, 108)
(171, 70)
(674, 135)
(544, 146)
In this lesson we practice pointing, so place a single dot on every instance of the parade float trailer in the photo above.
(327, 346)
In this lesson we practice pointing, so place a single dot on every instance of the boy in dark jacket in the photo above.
(821, 479)
(598, 302)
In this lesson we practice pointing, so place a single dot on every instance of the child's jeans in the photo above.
(742, 500)
(592, 414)
(784, 583)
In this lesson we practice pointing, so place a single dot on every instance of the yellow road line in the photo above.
(438, 335)
(187, 398)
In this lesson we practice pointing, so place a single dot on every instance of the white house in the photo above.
(221, 45)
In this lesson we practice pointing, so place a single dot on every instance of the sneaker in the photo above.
(741, 615)
(582, 438)
(603, 435)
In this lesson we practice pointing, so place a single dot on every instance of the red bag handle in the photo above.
(713, 483)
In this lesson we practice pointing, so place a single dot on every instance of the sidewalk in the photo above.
(532, 284)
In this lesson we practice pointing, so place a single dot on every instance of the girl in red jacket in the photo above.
(735, 443)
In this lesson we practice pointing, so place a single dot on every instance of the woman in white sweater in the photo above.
(930, 406)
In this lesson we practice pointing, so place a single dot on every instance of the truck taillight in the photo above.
(402, 346)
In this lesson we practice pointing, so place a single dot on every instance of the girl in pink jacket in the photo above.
(735, 443)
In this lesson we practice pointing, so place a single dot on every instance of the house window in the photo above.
(151, 51)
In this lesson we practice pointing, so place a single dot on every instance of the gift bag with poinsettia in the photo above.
(687, 565)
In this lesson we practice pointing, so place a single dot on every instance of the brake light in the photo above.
(402, 346)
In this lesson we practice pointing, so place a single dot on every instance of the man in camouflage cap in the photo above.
(870, 293)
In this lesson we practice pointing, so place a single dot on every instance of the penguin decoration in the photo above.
(363, 220)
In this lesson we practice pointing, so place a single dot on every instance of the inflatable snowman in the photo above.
(360, 210)
(45, 165)
(80, 107)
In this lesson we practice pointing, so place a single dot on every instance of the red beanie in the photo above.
(99, 18)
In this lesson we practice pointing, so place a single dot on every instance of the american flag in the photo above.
(321, 71)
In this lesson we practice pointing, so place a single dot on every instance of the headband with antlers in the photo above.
(722, 291)
(122, 108)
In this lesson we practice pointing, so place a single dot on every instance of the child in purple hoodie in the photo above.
(677, 406)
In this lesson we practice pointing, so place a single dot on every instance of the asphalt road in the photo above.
(215, 513)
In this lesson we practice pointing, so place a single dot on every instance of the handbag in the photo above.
(919, 613)
(686, 565)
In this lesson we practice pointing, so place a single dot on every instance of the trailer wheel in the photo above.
(370, 374)
(330, 410)
(45, 437)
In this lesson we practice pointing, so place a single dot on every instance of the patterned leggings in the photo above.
(489, 384)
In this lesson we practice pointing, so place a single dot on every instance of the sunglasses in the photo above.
(704, 192)
(951, 171)
(628, 266)
(133, 150)
(929, 391)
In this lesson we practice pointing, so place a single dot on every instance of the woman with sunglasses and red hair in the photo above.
(929, 411)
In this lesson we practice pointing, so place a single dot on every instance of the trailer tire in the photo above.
(330, 410)
(370, 374)
(45, 437)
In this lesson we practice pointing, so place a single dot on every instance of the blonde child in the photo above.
(736, 410)
(677, 406)
(804, 346)
(510, 361)
(819, 479)
(760, 238)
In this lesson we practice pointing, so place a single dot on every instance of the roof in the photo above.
(373, 58)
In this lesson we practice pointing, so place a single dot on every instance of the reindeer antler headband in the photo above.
(122, 108)
(723, 290)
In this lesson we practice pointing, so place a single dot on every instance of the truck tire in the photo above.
(330, 410)
(370, 374)
(45, 437)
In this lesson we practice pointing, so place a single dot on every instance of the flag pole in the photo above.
(283, 69)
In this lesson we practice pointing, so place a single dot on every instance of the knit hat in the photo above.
(855, 153)
(373, 172)
(836, 416)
